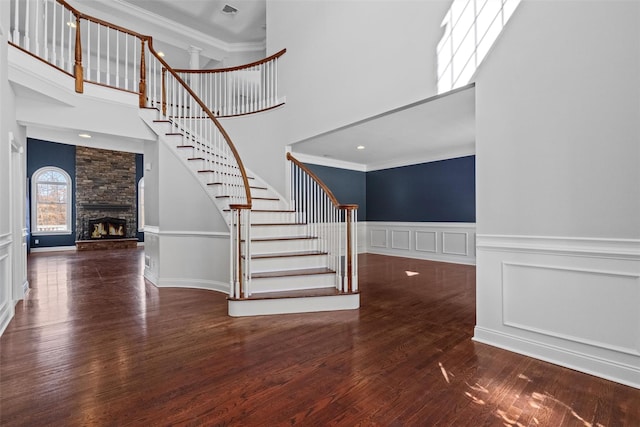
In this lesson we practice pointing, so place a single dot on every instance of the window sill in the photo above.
(51, 233)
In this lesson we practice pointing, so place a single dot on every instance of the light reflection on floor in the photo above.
(537, 401)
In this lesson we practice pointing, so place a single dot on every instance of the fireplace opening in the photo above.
(107, 228)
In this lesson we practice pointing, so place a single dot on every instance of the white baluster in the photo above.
(71, 24)
(62, 26)
(275, 82)
(108, 56)
(98, 57)
(118, 59)
(37, 24)
(45, 34)
(16, 23)
(27, 40)
(88, 50)
(54, 55)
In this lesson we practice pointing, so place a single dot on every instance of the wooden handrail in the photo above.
(142, 85)
(236, 68)
(317, 180)
(224, 133)
(79, 14)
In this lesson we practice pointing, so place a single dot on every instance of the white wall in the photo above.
(186, 236)
(345, 61)
(13, 280)
(558, 187)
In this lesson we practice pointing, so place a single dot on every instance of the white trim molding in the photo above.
(569, 301)
(436, 241)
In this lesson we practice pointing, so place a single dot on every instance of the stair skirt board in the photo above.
(267, 306)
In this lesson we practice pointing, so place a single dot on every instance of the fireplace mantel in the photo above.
(105, 207)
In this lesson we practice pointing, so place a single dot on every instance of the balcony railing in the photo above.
(238, 90)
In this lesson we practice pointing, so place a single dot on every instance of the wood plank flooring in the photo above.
(94, 344)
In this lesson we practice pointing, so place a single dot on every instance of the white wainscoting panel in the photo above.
(455, 243)
(570, 301)
(377, 236)
(427, 241)
(400, 239)
(6, 300)
(188, 259)
(436, 241)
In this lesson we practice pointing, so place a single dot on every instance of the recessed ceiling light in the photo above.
(360, 147)
(161, 54)
(84, 135)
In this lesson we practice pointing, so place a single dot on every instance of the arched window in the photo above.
(50, 201)
(141, 204)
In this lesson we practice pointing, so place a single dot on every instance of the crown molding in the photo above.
(182, 30)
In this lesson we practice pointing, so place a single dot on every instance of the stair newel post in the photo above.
(240, 275)
(349, 243)
(143, 76)
(164, 91)
(78, 71)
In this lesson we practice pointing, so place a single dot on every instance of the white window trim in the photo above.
(141, 203)
(34, 203)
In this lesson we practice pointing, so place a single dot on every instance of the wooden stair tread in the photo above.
(288, 254)
(290, 273)
(301, 293)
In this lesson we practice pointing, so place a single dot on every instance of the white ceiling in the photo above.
(439, 127)
(248, 25)
(432, 129)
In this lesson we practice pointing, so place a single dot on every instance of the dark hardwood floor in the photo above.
(94, 344)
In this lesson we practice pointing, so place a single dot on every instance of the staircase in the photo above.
(287, 256)
(290, 272)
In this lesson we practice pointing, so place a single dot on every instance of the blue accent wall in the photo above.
(44, 153)
(349, 186)
(442, 191)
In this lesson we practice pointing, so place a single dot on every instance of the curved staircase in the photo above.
(286, 255)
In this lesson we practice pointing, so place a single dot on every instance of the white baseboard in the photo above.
(210, 285)
(576, 360)
(570, 301)
(54, 249)
(433, 241)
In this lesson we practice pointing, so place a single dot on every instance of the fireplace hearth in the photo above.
(107, 228)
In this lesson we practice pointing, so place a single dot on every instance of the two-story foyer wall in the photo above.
(424, 211)
(98, 177)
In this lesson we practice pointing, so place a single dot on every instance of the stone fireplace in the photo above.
(105, 197)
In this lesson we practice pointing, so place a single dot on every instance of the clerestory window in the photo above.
(470, 29)
(50, 201)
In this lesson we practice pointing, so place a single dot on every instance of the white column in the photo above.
(194, 57)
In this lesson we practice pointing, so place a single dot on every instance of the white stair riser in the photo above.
(278, 230)
(292, 283)
(279, 246)
(288, 263)
(272, 217)
(263, 307)
(261, 204)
